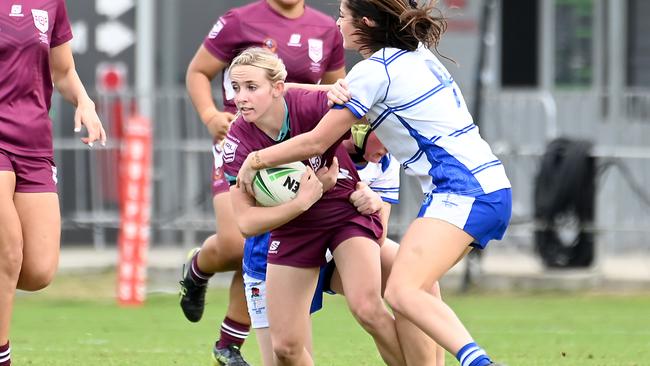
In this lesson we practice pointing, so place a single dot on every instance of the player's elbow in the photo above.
(190, 76)
(194, 75)
(247, 228)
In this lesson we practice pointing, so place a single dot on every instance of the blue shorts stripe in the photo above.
(484, 217)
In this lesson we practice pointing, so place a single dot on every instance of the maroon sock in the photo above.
(5, 355)
(199, 277)
(232, 333)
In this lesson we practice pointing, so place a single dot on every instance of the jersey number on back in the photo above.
(444, 78)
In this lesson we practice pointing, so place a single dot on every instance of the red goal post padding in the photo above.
(135, 211)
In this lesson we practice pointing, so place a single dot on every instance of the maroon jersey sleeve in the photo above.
(236, 147)
(224, 39)
(61, 31)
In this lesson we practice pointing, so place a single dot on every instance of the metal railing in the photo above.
(517, 124)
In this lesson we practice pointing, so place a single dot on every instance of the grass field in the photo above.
(75, 322)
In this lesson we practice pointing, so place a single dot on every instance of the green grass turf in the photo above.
(76, 322)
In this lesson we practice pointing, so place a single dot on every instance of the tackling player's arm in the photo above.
(254, 220)
(202, 69)
(315, 142)
(337, 92)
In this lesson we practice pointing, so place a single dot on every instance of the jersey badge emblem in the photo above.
(315, 162)
(229, 148)
(216, 28)
(41, 20)
(315, 49)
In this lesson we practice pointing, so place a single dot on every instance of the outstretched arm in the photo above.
(302, 147)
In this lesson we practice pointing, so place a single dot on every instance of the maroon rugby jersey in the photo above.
(28, 29)
(306, 108)
(310, 45)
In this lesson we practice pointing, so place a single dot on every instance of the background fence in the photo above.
(517, 124)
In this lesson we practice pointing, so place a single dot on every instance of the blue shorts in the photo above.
(484, 217)
(323, 285)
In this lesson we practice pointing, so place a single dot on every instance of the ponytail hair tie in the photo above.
(413, 3)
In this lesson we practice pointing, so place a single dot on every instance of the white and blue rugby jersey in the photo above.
(382, 177)
(419, 114)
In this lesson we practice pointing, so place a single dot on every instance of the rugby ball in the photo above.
(277, 185)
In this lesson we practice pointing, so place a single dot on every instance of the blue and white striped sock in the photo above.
(473, 355)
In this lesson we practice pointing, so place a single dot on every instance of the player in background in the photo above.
(418, 112)
(311, 46)
(35, 58)
(300, 233)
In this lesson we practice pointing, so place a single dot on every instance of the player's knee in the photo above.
(210, 250)
(12, 258)
(368, 312)
(394, 296)
(34, 279)
(228, 248)
(287, 350)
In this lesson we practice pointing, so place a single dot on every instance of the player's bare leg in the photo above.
(418, 348)
(10, 251)
(29, 247)
(40, 219)
(419, 264)
(223, 251)
(357, 260)
(263, 336)
(289, 294)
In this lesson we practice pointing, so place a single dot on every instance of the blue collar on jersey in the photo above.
(284, 130)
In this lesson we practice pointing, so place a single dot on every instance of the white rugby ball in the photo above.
(277, 185)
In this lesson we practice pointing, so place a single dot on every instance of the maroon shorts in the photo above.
(220, 183)
(33, 174)
(306, 248)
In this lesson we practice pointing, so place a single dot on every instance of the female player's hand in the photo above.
(310, 191)
(328, 175)
(86, 115)
(246, 174)
(338, 93)
(219, 124)
(365, 199)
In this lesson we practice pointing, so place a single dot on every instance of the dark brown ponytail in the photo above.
(400, 24)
